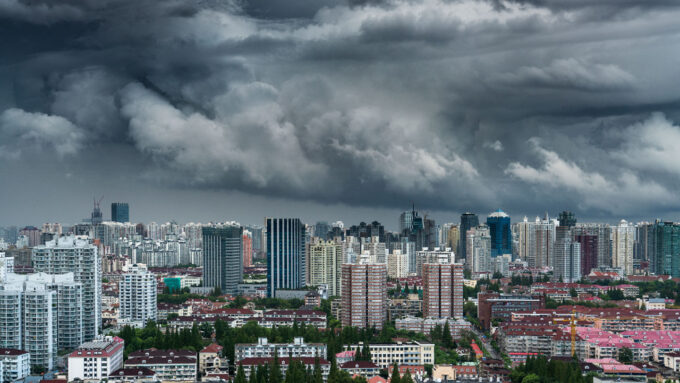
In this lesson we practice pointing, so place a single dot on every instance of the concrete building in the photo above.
(408, 353)
(264, 349)
(210, 359)
(435, 255)
(397, 264)
(137, 296)
(364, 295)
(223, 256)
(567, 264)
(492, 306)
(79, 256)
(120, 212)
(16, 364)
(250, 365)
(623, 245)
(169, 365)
(95, 360)
(478, 244)
(285, 244)
(426, 325)
(467, 222)
(247, 248)
(443, 290)
(325, 265)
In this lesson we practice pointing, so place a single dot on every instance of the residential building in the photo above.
(435, 255)
(223, 256)
(408, 353)
(247, 248)
(479, 250)
(363, 368)
(443, 290)
(364, 295)
(285, 244)
(467, 222)
(593, 235)
(137, 296)
(251, 364)
(492, 306)
(16, 364)
(210, 359)
(169, 365)
(453, 238)
(93, 361)
(397, 264)
(567, 264)
(500, 232)
(133, 375)
(120, 212)
(264, 349)
(623, 245)
(325, 265)
(545, 242)
(79, 256)
(526, 242)
(426, 325)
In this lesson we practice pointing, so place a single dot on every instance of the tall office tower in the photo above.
(526, 242)
(223, 256)
(623, 243)
(120, 212)
(589, 246)
(137, 295)
(325, 265)
(641, 255)
(443, 290)
(501, 234)
(567, 218)
(247, 248)
(406, 220)
(76, 254)
(664, 248)
(453, 238)
(258, 240)
(478, 244)
(567, 264)
(33, 235)
(285, 254)
(467, 222)
(321, 229)
(603, 234)
(435, 255)
(397, 264)
(364, 295)
(545, 241)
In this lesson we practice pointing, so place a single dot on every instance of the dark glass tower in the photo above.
(467, 222)
(285, 254)
(222, 257)
(120, 212)
(501, 233)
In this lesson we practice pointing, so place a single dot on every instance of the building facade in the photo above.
(120, 212)
(95, 360)
(223, 256)
(364, 295)
(467, 222)
(443, 290)
(137, 296)
(285, 243)
(500, 232)
(325, 265)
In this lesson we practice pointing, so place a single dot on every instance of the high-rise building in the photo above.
(397, 264)
(120, 212)
(453, 238)
(364, 295)
(223, 256)
(623, 244)
(79, 256)
(603, 234)
(33, 235)
(478, 244)
(526, 242)
(589, 249)
(247, 248)
(467, 222)
(325, 265)
(501, 234)
(321, 230)
(664, 248)
(545, 241)
(137, 296)
(567, 261)
(443, 290)
(285, 254)
(567, 218)
(434, 255)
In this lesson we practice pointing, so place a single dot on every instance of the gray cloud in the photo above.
(457, 105)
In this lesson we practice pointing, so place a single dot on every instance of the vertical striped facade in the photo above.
(443, 290)
(223, 257)
(364, 295)
(285, 241)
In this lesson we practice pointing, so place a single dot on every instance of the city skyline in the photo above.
(456, 105)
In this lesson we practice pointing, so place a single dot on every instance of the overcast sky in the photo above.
(219, 110)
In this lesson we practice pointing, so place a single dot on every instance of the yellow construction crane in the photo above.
(573, 332)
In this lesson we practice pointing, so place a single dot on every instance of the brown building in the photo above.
(364, 295)
(443, 290)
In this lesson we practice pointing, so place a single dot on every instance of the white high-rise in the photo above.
(137, 296)
(623, 244)
(478, 244)
(326, 259)
(436, 255)
(526, 243)
(79, 256)
(567, 261)
(545, 241)
(397, 264)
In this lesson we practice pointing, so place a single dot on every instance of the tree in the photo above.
(447, 339)
(615, 294)
(317, 376)
(240, 375)
(406, 378)
(275, 375)
(625, 355)
(366, 352)
(573, 293)
(531, 378)
(395, 375)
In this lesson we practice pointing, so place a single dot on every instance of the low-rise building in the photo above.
(251, 364)
(363, 368)
(169, 365)
(264, 349)
(133, 375)
(426, 325)
(210, 359)
(95, 360)
(16, 364)
(672, 360)
(410, 353)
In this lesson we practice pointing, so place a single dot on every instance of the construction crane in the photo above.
(573, 332)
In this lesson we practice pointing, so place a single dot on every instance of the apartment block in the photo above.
(96, 360)
(364, 295)
(264, 349)
(409, 353)
(443, 290)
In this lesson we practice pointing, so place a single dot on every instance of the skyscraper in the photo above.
(545, 241)
(589, 246)
(567, 261)
(247, 248)
(364, 295)
(526, 241)
(623, 243)
(137, 295)
(223, 256)
(285, 241)
(603, 234)
(664, 248)
(478, 244)
(77, 255)
(443, 290)
(325, 265)
(467, 222)
(501, 234)
(120, 212)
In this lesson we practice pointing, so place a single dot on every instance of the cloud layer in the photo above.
(455, 104)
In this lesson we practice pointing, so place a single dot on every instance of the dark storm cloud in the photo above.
(525, 105)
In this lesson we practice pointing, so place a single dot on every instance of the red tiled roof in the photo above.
(213, 348)
(259, 361)
(363, 364)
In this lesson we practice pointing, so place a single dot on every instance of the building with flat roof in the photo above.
(408, 353)
(264, 349)
(95, 360)
(364, 295)
(16, 364)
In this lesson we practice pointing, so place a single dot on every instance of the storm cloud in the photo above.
(455, 104)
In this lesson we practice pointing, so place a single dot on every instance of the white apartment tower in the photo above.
(397, 264)
(137, 295)
(79, 256)
(325, 265)
(623, 243)
(478, 244)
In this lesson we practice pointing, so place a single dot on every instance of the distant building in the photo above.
(264, 349)
(285, 244)
(492, 306)
(623, 245)
(408, 353)
(223, 256)
(137, 296)
(467, 222)
(567, 265)
(93, 361)
(500, 232)
(251, 364)
(120, 212)
(247, 248)
(33, 235)
(364, 295)
(397, 264)
(325, 265)
(169, 365)
(478, 244)
(443, 290)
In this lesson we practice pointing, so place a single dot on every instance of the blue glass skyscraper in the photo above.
(285, 254)
(120, 212)
(501, 233)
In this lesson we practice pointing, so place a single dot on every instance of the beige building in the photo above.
(325, 265)
(623, 242)
(397, 264)
(209, 359)
(408, 353)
